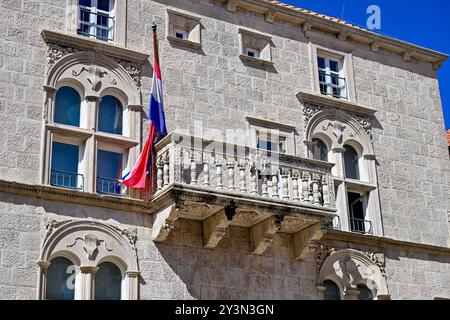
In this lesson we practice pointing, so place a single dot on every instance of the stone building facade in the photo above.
(306, 158)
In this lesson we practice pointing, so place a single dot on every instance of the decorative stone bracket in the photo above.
(214, 229)
(164, 222)
(262, 234)
(305, 241)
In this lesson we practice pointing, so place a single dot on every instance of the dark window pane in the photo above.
(356, 205)
(60, 280)
(320, 150)
(109, 164)
(332, 291)
(67, 106)
(102, 34)
(65, 166)
(103, 5)
(84, 16)
(102, 20)
(110, 115)
(321, 62)
(364, 293)
(85, 3)
(334, 66)
(351, 163)
(108, 280)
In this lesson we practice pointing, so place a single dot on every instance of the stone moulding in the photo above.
(311, 20)
(79, 43)
(62, 44)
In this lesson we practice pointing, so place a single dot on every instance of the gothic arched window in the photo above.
(110, 115)
(332, 291)
(60, 280)
(320, 150)
(67, 106)
(108, 282)
(351, 159)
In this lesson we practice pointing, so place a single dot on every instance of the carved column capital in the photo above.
(92, 98)
(133, 274)
(338, 150)
(89, 269)
(43, 264)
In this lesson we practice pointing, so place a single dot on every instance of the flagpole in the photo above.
(155, 42)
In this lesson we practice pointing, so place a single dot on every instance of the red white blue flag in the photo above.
(144, 167)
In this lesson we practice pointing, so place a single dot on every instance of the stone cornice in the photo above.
(72, 196)
(334, 103)
(93, 45)
(312, 20)
(384, 242)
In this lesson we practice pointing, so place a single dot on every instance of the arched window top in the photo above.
(332, 291)
(67, 106)
(60, 279)
(364, 292)
(110, 115)
(320, 150)
(108, 281)
(351, 161)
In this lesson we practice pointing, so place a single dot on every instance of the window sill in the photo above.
(335, 103)
(186, 43)
(65, 130)
(256, 61)
(117, 140)
(356, 185)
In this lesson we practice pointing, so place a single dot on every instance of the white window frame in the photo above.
(93, 13)
(75, 141)
(329, 74)
(347, 72)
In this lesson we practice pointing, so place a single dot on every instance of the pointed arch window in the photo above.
(67, 106)
(108, 282)
(110, 115)
(60, 279)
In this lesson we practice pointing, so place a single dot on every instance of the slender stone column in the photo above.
(87, 282)
(132, 281)
(42, 279)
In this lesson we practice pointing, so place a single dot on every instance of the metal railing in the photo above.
(361, 226)
(66, 179)
(109, 186)
(333, 85)
(94, 29)
(334, 224)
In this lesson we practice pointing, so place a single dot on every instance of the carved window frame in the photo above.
(120, 28)
(351, 132)
(95, 75)
(347, 68)
(177, 20)
(332, 265)
(62, 239)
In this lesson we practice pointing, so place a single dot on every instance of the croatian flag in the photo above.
(144, 167)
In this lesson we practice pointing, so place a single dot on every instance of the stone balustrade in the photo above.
(242, 171)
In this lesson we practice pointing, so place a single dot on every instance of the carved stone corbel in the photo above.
(164, 222)
(214, 229)
(305, 241)
(231, 5)
(269, 16)
(262, 234)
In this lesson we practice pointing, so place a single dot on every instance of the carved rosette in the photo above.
(379, 259)
(55, 52)
(322, 253)
(133, 70)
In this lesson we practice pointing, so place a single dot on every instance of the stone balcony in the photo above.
(222, 185)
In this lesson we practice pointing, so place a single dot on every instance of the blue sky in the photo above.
(423, 22)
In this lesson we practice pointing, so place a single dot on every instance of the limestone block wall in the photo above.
(20, 235)
(413, 275)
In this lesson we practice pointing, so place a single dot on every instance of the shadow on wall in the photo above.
(230, 271)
